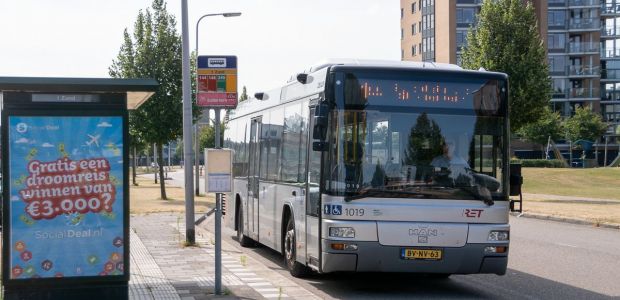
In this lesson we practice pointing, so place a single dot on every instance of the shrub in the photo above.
(539, 163)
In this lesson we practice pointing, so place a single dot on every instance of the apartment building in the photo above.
(582, 38)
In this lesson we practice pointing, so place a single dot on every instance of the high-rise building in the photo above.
(582, 38)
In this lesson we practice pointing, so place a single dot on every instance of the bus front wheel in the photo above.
(290, 252)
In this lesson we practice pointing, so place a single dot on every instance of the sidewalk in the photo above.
(162, 268)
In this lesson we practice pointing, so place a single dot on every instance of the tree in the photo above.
(206, 136)
(550, 125)
(244, 95)
(585, 125)
(424, 143)
(154, 51)
(506, 39)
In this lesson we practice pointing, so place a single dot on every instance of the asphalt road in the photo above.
(547, 260)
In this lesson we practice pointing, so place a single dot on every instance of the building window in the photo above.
(557, 64)
(461, 39)
(556, 41)
(413, 29)
(413, 50)
(401, 13)
(413, 6)
(401, 34)
(466, 16)
(556, 18)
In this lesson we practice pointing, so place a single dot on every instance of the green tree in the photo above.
(244, 95)
(424, 143)
(585, 125)
(206, 136)
(507, 40)
(154, 51)
(550, 125)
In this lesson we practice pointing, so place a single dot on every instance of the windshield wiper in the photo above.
(488, 202)
(373, 192)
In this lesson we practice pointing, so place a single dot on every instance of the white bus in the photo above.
(369, 166)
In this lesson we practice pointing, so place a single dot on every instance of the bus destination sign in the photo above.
(217, 81)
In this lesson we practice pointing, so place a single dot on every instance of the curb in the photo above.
(565, 220)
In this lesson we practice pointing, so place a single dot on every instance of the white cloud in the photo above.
(47, 145)
(22, 141)
(104, 124)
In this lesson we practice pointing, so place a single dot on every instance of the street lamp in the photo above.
(197, 151)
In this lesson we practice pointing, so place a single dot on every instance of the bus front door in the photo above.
(313, 200)
(253, 176)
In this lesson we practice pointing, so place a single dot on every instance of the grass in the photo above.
(601, 183)
(145, 198)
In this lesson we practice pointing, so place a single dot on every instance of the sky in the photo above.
(273, 39)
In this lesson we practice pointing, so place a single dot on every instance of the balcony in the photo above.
(610, 75)
(584, 24)
(584, 71)
(610, 53)
(584, 47)
(583, 3)
(610, 32)
(610, 9)
(468, 2)
(584, 93)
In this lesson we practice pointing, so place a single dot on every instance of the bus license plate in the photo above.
(409, 253)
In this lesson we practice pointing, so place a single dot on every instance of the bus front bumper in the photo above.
(374, 257)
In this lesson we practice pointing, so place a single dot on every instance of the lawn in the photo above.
(602, 183)
(145, 198)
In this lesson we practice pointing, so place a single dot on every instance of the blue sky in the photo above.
(273, 38)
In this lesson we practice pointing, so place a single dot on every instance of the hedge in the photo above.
(539, 163)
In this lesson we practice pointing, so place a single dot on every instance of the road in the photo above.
(547, 260)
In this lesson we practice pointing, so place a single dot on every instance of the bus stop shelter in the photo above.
(65, 197)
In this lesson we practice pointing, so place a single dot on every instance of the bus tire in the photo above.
(290, 251)
(243, 239)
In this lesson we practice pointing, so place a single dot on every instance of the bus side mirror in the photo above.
(516, 180)
(320, 122)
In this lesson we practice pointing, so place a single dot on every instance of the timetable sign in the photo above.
(217, 81)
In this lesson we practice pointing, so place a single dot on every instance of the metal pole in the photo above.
(218, 204)
(169, 146)
(197, 152)
(217, 128)
(190, 232)
(155, 161)
(218, 217)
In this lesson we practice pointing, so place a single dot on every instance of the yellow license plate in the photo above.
(428, 254)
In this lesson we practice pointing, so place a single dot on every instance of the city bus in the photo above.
(374, 166)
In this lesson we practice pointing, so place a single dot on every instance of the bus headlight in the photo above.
(342, 232)
(498, 236)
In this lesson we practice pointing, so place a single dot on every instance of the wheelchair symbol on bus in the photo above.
(335, 210)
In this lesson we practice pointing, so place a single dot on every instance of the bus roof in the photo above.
(292, 89)
(378, 63)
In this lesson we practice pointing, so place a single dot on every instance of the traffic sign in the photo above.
(217, 81)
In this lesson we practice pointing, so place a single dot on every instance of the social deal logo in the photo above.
(216, 62)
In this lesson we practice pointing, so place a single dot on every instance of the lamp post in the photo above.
(218, 200)
(196, 127)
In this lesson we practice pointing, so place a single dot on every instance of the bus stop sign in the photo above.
(217, 81)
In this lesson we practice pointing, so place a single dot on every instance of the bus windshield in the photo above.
(404, 138)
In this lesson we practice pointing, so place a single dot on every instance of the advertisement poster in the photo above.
(66, 196)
